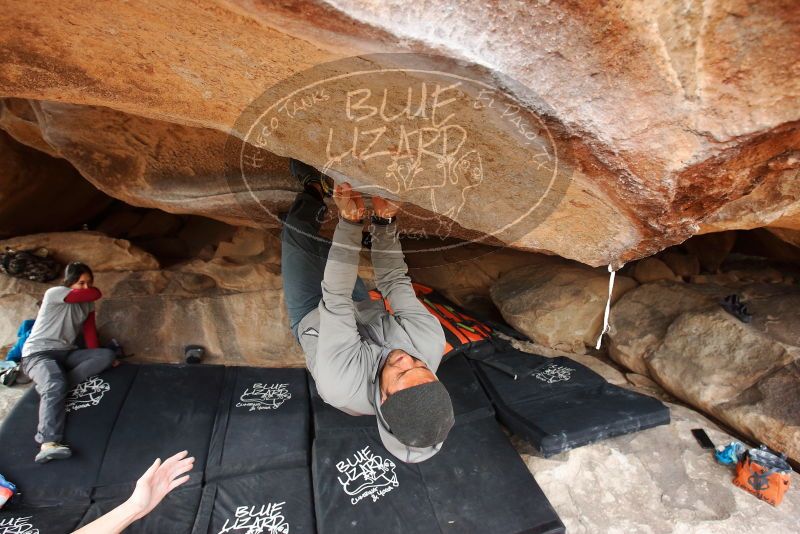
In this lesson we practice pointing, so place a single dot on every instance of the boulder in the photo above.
(768, 410)
(249, 243)
(167, 249)
(652, 270)
(151, 163)
(16, 308)
(647, 384)
(744, 374)
(750, 275)
(640, 319)
(463, 274)
(711, 249)
(232, 269)
(775, 311)
(232, 304)
(203, 235)
(98, 251)
(679, 138)
(154, 314)
(557, 303)
(155, 223)
(787, 235)
(770, 202)
(119, 222)
(708, 357)
(729, 369)
(168, 237)
(683, 265)
(19, 299)
(772, 243)
(762, 270)
(720, 279)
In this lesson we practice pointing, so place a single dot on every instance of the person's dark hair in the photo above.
(74, 271)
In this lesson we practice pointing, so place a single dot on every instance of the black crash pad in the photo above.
(92, 409)
(263, 422)
(169, 408)
(277, 501)
(43, 520)
(469, 400)
(233, 421)
(360, 487)
(174, 515)
(558, 404)
(479, 483)
(476, 483)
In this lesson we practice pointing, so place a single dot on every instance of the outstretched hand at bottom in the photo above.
(159, 480)
(151, 488)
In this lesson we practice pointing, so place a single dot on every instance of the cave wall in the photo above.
(41, 193)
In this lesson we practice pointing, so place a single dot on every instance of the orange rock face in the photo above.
(624, 128)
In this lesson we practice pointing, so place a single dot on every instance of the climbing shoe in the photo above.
(308, 175)
(9, 376)
(735, 307)
(53, 451)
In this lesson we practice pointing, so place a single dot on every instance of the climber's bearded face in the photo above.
(402, 371)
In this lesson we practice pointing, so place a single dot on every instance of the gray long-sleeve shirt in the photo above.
(58, 322)
(346, 343)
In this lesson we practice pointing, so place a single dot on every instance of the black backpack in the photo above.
(29, 265)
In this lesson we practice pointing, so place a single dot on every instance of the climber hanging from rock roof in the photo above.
(364, 360)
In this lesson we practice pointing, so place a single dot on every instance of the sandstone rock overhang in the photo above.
(668, 120)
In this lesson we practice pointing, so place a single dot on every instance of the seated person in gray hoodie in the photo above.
(364, 359)
(52, 360)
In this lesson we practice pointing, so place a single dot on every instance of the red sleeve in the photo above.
(90, 332)
(83, 295)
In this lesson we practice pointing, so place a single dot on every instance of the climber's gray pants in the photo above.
(303, 258)
(54, 372)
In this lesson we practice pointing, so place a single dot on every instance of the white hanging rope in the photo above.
(608, 305)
